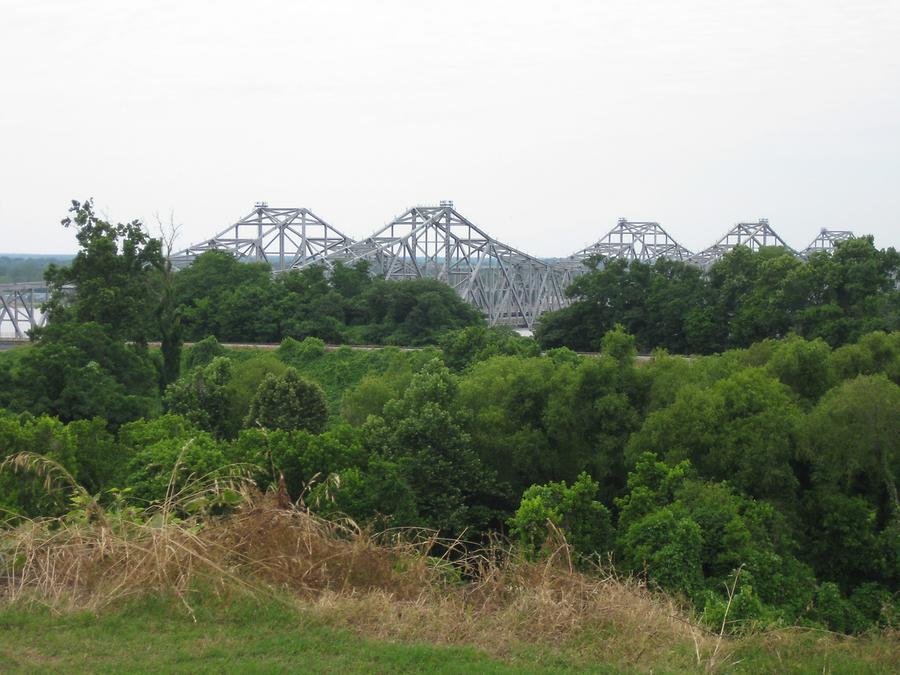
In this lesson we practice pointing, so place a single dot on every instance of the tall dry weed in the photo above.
(389, 584)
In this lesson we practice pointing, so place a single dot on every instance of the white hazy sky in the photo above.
(543, 121)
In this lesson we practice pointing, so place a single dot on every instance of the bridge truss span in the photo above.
(826, 241)
(283, 238)
(437, 242)
(636, 240)
(20, 308)
(752, 235)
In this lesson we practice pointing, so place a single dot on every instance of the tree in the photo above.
(853, 439)
(23, 492)
(304, 459)
(377, 493)
(168, 314)
(422, 434)
(166, 455)
(246, 377)
(367, 398)
(203, 352)
(689, 535)
(288, 401)
(618, 344)
(742, 429)
(81, 371)
(414, 312)
(113, 280)
(746, 296)
(803, 366)
(477, 343)
(220, 296)
(748, 291)
(574, 510)
(202, 397)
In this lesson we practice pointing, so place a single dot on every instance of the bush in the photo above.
(299, 354)
(287, 401)
(202, 396)
(584, 521)
(167, 455)
(203, 352)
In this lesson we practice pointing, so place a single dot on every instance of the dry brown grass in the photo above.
(385, 585)
(388, 585)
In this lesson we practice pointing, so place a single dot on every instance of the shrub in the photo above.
(287, 401)
(584, 521)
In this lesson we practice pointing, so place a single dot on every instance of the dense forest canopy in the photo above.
(17, 268)
(244, 302)
(745, 297)
(762, 478)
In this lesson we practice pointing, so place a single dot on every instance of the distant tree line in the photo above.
(244, 302)
(15, 269)
(745, 297)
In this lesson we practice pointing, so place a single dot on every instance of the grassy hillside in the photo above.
(275, 588)
(155, 636)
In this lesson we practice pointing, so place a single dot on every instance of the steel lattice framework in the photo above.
(509, 286)
(826, 241)
(752, 235)
(437, 242)
(284, 238)
(19, 308)
(636, 240)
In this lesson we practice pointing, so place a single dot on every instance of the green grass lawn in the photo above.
(156, 636)
(159, 635)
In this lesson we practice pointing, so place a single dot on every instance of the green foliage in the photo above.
(116, 276)
(99, 464)
(742, 612)
(537, 420)
(203, 352)
(414, 312)
(741, 429)
(338, 371)
(288, 402)
(228, 299)
(874, 353)
(767, 472)
(240, 302)
(24, 493)
(171, 333)
(81, 371)
(368, 398)
(478, 343)
(167, 455)
(304, 459)
(745, 297)
(299, 354)
(853, 439)
(378, 493)
(246, 377)
(691, 536)
(619, 345)
(202, 397)
(15, 269)
(803, 366)
(421, 433)
(835, 611)
(584, 521)
(844, 538)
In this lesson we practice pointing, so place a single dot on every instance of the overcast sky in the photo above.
(543, 121)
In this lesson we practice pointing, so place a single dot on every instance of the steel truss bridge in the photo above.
(20, 308)
(284, 238)
(437, 242)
